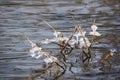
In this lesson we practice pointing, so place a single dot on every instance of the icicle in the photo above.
(77, 35)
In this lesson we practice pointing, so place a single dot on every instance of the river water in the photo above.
(18, 16)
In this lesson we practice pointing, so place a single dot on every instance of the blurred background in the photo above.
(18, 16)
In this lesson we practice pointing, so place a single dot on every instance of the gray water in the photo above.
(17, 17)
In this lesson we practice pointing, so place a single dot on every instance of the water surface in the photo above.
(17, 17)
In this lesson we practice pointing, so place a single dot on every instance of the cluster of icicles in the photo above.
(78, 38)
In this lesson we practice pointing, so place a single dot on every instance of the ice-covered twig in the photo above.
(40, 53)
(81, 33)
(82, 43)
(77, 35)
(70, 38)
(37, 52)
(94, 30)
(83, 36)
(50, 59)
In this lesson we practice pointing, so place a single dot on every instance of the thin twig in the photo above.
(54, 30)
(75, 22)
(94, 22)
(71, 36)
(80, 31)
(93, 37)
(29, 40)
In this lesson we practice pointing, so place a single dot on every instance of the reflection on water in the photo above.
(24, 16)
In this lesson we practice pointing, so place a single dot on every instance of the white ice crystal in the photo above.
(50, 59)
(77, 35)
(35, 52)
(72, 42)
(82, 43)
(94, 27)
(83, 33)
(94, 31)
(57, 40)
(46, 41)
(35, 49)
(56, 34)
